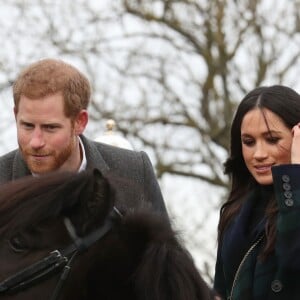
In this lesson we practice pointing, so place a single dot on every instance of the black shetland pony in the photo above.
(66, 237)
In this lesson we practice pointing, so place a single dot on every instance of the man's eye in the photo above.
(27, 126)
(18, 244)
(50, 127)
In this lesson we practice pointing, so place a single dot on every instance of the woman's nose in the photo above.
(260, 151)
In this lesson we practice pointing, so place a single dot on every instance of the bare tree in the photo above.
(203, 56)
(169, 72)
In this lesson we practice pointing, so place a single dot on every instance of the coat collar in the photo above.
(93, 155)
(237, 238)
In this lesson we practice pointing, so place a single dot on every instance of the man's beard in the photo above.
(52, 162)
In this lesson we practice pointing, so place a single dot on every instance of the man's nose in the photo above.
(37, 138)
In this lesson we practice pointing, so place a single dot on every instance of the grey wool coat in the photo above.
(130, 173)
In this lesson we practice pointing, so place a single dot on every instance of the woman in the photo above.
(259, 228)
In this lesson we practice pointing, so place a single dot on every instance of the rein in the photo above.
(58, 260)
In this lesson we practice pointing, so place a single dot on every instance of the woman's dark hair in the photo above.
(285, 103)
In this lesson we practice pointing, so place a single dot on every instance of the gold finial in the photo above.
(110, 136)
(110, 125)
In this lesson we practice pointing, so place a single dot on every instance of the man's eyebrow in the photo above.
(54, 124)
(25, 122)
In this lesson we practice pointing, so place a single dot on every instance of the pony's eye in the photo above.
(17, 244)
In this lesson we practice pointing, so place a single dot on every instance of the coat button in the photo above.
(289, 202)
(276, 286)
(286, 186)
(288, 194)
(285, 178)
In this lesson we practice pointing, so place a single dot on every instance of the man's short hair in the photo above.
(50, 76)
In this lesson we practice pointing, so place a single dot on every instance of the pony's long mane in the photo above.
(27, 201)
(166, 269)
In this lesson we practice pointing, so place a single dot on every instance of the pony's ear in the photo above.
(101, 200)
(94, 203)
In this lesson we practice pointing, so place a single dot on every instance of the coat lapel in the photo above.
(93, 156)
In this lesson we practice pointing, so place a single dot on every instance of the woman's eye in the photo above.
(273, 140)
(17, 244)
(248, 142)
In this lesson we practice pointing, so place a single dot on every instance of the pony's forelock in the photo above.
(27, 201)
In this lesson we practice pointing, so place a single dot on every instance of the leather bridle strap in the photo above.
(63, 276)
(33, 273)
(57, 260)
(82, 244)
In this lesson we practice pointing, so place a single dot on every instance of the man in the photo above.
(51, 99)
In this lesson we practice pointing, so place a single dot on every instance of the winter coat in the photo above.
(240, 273)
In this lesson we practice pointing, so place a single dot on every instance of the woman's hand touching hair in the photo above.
(295, 149)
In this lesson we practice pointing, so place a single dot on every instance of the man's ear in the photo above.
(15, 112)
(81, 121)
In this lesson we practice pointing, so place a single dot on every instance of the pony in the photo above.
(66, 236)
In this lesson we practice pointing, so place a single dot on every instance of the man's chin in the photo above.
(39, 169)
(39, 172)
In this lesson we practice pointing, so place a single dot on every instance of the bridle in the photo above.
(58, 260)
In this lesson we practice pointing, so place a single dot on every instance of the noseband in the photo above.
(58, 260)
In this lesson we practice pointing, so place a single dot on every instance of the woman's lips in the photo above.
(263, 168)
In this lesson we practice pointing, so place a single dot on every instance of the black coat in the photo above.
(239, 272)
